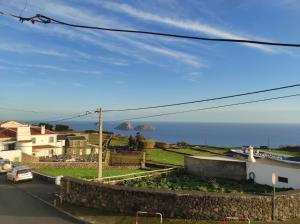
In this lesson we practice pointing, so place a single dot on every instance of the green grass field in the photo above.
(173, 157)
(286, 152)
(88, 173)
(165, 157)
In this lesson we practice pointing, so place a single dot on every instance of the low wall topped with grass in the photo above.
(179, 204)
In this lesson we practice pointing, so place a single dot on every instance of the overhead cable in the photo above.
(46, 20)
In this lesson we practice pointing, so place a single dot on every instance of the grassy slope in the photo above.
(287, 152)
(174, 158)
(88, 173)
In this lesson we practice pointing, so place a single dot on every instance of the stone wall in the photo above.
(127, 159)
(215, 167)
(28, 158)
(187, 205)
(62, 165)
(43, 177)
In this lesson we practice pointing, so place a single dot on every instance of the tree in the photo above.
(62, 127)
(132, 143)
(47, 125)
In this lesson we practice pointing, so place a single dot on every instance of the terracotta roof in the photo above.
(35, 130)
(12, 132)
(76, 138)
(37, 148)
(25, 141)
(7, 133)
(63, 136)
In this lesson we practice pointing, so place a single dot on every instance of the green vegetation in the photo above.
(166, 157)
(290, 153)
(87, 173)
(187, 182)
(62, 127)
(176, 156)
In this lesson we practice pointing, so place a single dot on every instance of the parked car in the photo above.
(19, 173)
(5, 165)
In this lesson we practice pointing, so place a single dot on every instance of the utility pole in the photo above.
(99, 174)
(274, 202)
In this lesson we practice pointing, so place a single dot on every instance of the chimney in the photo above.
(251, 156)
(43, 129)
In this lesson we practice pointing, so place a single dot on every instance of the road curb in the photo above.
(75, 218)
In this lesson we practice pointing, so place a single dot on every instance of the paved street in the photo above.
(17, 207)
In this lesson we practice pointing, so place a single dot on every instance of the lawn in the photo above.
(174, 156)
(166, 157)
(88, 173)
(180, 182)
(290, 153)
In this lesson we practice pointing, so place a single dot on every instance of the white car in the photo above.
(19, 173)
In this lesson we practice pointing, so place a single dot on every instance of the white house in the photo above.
(287, 174)
(29, 139)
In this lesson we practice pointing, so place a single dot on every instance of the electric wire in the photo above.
(213, 107)
(46, 20)
(205, 100)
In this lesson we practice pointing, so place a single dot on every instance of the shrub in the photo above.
(162, 145)
(146, 143)
(182, 143)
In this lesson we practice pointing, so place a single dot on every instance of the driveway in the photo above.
(18, 207)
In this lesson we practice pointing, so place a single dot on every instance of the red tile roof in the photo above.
(7, 133)
(35, 130)
(37, 148)
(12, 132)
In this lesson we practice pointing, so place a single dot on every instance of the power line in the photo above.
(45, 19)
(214, 107)
(87, 113)
(93, 111)
(204, 100)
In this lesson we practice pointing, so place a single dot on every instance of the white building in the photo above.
(29, 139)
(287, 174)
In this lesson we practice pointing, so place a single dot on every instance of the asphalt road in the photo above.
(18, 207)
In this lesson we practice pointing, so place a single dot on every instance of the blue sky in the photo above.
(62, 71)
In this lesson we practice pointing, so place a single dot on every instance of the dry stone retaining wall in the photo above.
(187, 205)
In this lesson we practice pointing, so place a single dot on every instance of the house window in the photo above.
(51, 139)
(283, 179)
(33, 140)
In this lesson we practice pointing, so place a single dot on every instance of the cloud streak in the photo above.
(189, 25)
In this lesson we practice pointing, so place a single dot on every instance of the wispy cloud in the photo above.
(27, 48)
(189, 25)
(19, 66)
(110, 41)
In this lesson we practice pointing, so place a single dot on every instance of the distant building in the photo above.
(29, 139)
(77, 145)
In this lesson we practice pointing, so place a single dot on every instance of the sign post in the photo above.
(274, 183)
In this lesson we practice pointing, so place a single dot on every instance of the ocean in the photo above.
(216, 134)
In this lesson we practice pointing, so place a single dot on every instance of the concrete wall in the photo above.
(263, 175)
(44, 139)
(184, 204)
(12, 155)
(215, 167)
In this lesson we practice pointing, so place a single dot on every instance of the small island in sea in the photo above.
(144, 128)
(125, 126)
